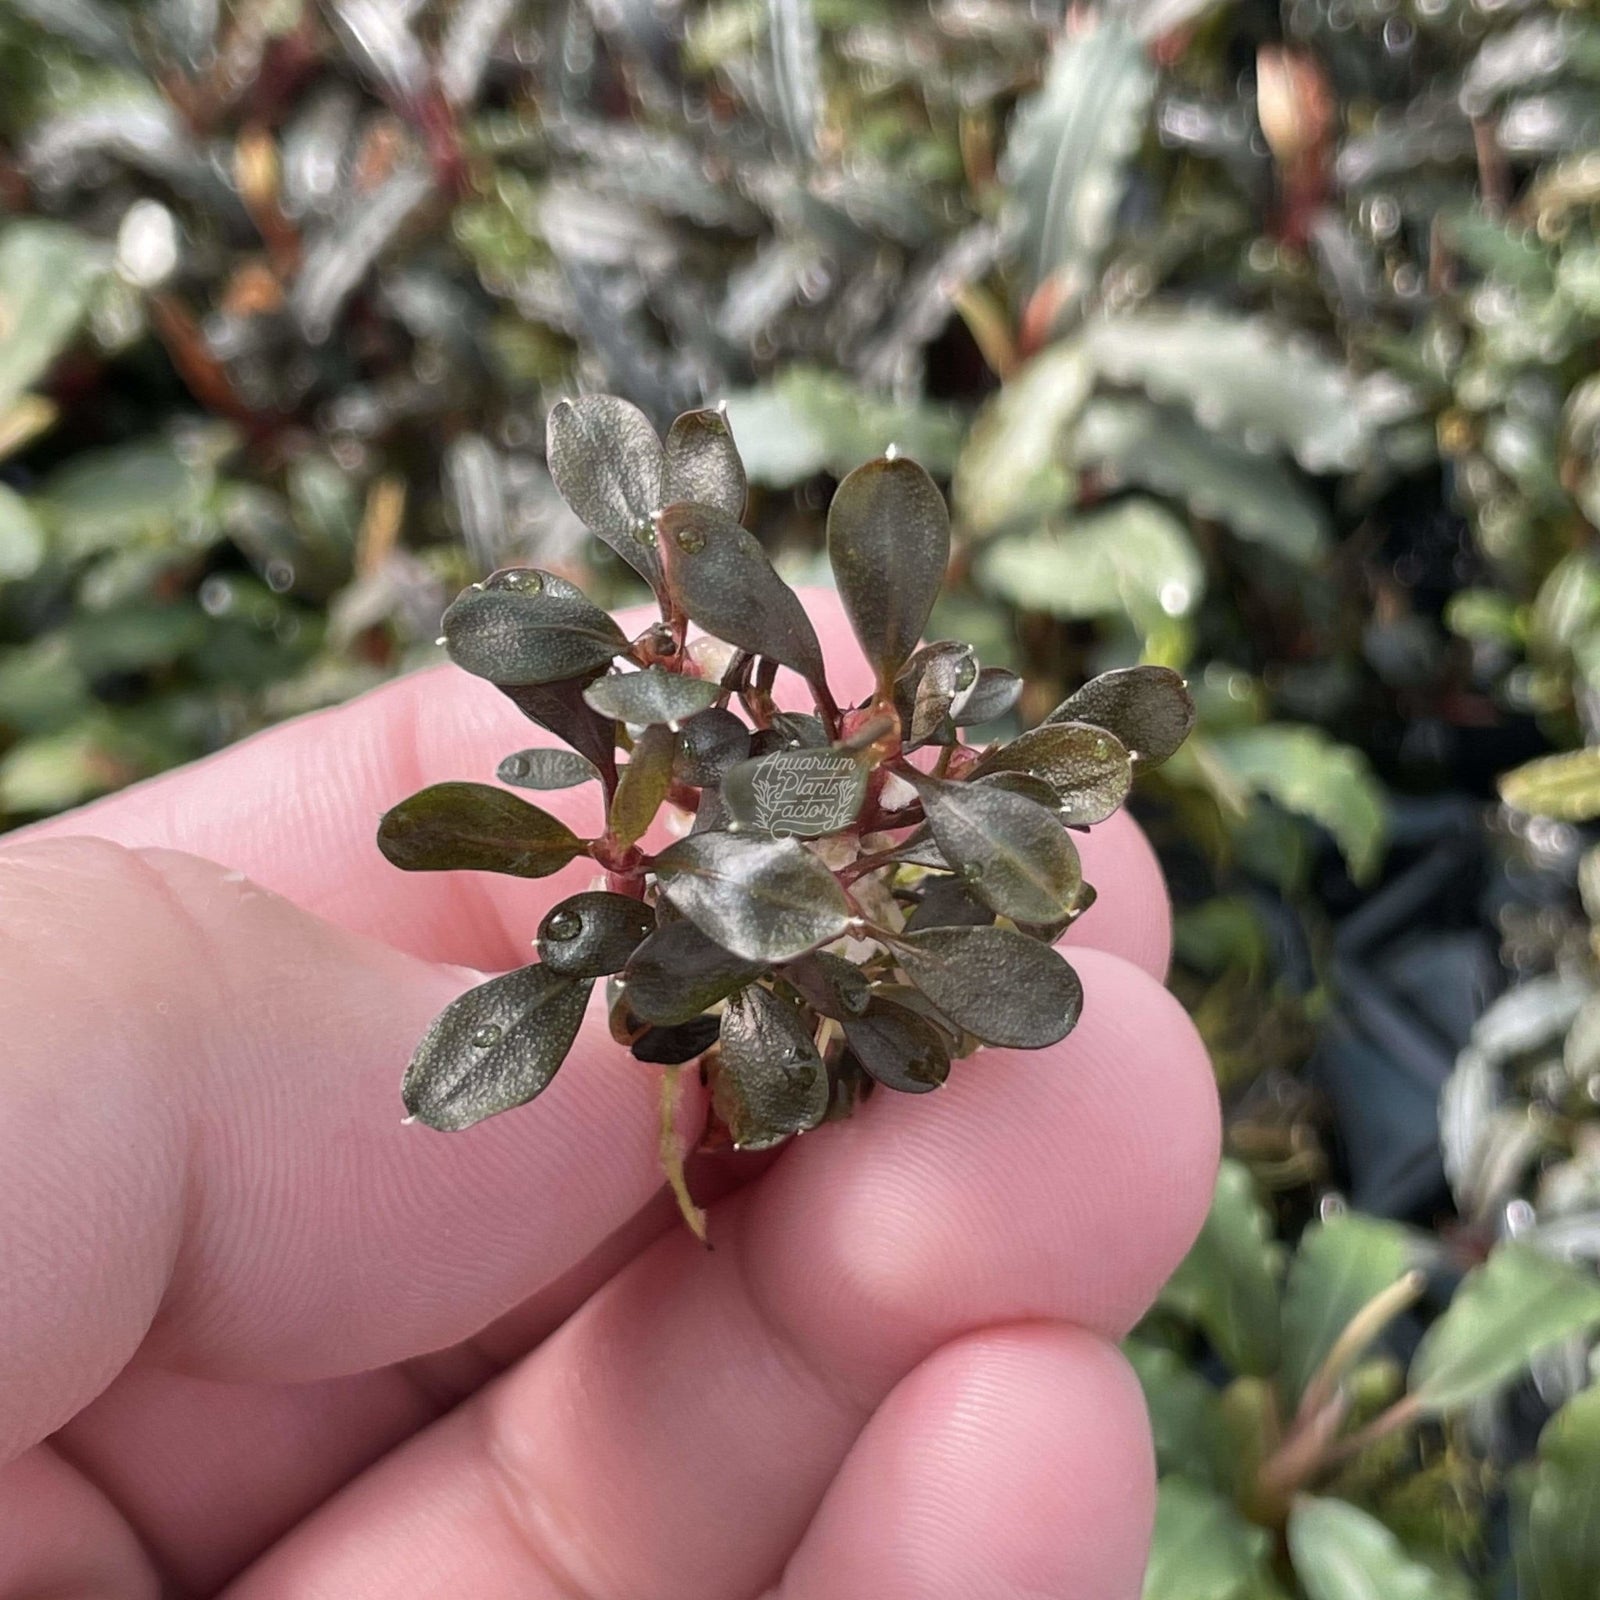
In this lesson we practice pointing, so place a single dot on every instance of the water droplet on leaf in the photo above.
(691, 540)
(488, 1035)
(563, 925)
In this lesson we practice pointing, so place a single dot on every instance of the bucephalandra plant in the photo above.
(861, 895)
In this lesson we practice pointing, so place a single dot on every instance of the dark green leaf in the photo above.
(806, 793)
(993, 696)
(523, 635)
(677, 972)
(769, 1080)
(1202, 1548)
(472, 826)
(898, 1048)
(592, 934)
(1341, 1552)
(1025, 784)
(494, 1048)
(1561, 1536)
(996, 984)
(831, 986)
(544, 768)
(1011, 853)
(703, 463)
(1086, 766)
(947, 903)
(651, 696)
(708, 744)
(672, 1046)
(561, 708)
(723, 580)
(643, 785)
(764, 899)
(608, 463)
(1147, 708)
(889, 542)
(47, 273)
(931, 687)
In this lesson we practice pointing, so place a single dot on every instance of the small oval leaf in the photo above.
(1148, 708)
(703, 463)
(494, 1048)
(708, 745)
(651, 696)
(888, 543)
(769, 1080)
(1086, 766)
(607, 462)
(454, 827)
(516, 636)
(677, 972)
(544, 768)
(898, 1049)
(764, 899)
(996, 984)
(592, 934)
(993, 696)
(643, 785)
(722, 579)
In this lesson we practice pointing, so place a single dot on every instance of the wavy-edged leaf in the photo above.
(1148, 708)
(723, 580)
(1087, 767)
(888, 543)
(1011, 853)
(454, 827)
(897, 1048)
(678, 972)
(528, 634)
(643, 785)
(806, 793)
(47, 272)
(1559, 1539)
(1343, 1553)
(993, 696)
(494, 1048)
(651, 696)
(1516, 1304)
(608, 463)
(1168, 452)
(703, 464)
(544, 768)
(763, 899)
(769, 1080)
(592, 934)
(998, 985)
(709, 743)
(1240, 375)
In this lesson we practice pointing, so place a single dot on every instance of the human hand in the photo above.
(257, 1337)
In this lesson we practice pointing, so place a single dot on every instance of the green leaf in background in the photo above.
(1339, 1266)
(1164, 450)
(808, 421)
(1202, 1548)
(1063, 165)
(1133, 558)
(1566, 786)
(1558, 1541)
(1516, 1304)
(1241, 376)
(1341, 1553)
(1013, 467)
(21, 538)
(1228, 1283)
(1308, 773)
(46, 274)
(1186, 1418)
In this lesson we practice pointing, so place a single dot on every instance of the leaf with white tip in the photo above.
(1148, 708)
(1087, 767)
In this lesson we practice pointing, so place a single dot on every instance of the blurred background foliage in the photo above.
(1254, 338)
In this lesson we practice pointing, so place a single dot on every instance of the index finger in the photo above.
(296, 808)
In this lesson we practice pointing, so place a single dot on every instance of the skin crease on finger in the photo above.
(296, 806)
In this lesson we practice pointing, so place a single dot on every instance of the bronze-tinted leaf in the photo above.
(672, 1046)
(947, 903)
(830, 985)
(677, 972)
(769, 1080)
(764, 899)
(996, 984)
(561, 708)
(931, 689)
(473, 826)
(607, 462)
(1011, 853)
(722, 579)
(703, 463)
(1025, 784)
(993, 696)
(1148, 708)
(888, 542)
(653, 695)
(544, 768)
(520, 635)
(805, 793)
(643, 785)
(898, 1048)
(592, 934)
(708, 744)
(494, 1048)
(1087, 766)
